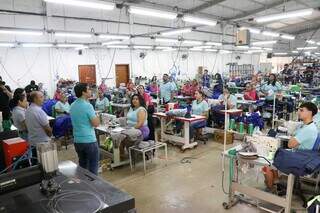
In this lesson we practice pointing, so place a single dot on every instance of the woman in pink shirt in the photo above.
(147, 98)
(250, 93)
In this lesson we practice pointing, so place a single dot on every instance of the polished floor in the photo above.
(191, 181)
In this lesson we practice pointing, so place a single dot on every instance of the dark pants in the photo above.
(88, 154)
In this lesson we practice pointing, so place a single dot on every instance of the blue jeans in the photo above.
(196, 125)
(88, 154)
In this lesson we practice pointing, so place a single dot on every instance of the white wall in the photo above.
(44, 64)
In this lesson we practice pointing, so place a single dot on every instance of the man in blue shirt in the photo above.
(166, 89)
(84, 120)
(307, 134)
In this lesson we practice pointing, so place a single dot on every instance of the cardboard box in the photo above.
(218, 136)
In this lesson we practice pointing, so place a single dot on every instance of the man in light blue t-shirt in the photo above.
(167, 89)
(84, 120)
(306, 136)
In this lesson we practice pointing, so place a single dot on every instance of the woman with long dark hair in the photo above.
(271, 87)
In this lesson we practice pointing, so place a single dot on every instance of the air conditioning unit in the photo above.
(243, 37)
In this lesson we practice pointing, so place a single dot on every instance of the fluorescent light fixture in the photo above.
(93, 4)
(143, 47)
(112, 42)
(37, 45)
(110, 36)
(280, 53)
(289, 37)
(192, 42)
(310, 41)
(256, 48)
(195, 49)
(22, 32)
(306, 48)
(204, 47)
(224, 51)
(213, 43)
(317, 53)
(242, 47)
(197, 20)
(267, 49)
(167, 40)
(263, 42)
(4, 44)
(285, 15)
(70, 45)
(318, 43)
(73, 35)
(211, 50)
(152, 13)
(169, 49)
(81, 48)
(307, 53)
(177, 31)
(272, 34)
(252, 30)
(295, 51)
(247, 52)
(118, 46)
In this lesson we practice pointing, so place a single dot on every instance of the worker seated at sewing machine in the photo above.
(225, 98)
(199, 107)
(304, 138)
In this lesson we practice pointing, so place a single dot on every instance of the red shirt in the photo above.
(147, 98)
(186, 90)
(251, 95)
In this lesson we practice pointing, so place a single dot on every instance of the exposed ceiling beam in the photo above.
(252, 12)
(204, 6)
(313, 28)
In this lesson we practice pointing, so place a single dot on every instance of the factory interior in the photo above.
(159, 106)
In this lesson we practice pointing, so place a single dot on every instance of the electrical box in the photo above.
(14, 148)
(243, 37)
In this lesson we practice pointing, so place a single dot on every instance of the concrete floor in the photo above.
(177, 187)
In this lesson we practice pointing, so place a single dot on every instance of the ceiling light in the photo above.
(195, 49)
(310, 41)
(294, 51)
(317, 53)
(153, 13)
(192, 42)
(285, 15)
(289, 37)
(143, 47)
(306, 48)
(252, 30)
(118, 46)
(110, 36)
(162, 48)
(263, 42)
(21, 32)
(37, 45)
(204, 47)
(93, 4)
(112, 42)
(307, 53)
(318, 43)
(267, 49)
(211, 50)
(213, 43)
(272, 34)
(81, 48)
(255, 51)
(3, 44)
(196, 20)
(177, 31)
(256, 48)
(73, 35)
(70, 45)
(224, 51)
(167, 40)
(242, 47)
(247, 52)
(169, 49)
(280, 53)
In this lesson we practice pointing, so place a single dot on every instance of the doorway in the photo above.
(87, 74)
(122, 74)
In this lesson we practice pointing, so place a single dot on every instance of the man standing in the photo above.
(308, 75)
(84, 120)
(166, 90)
(206, 79)
(287, 74)
(31, 87)
(39, 130)
(5, 97)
